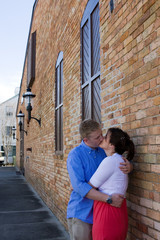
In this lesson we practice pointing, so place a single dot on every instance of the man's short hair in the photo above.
(88, 126)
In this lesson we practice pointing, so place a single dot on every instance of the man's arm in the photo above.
(126, 166)
(93, 194)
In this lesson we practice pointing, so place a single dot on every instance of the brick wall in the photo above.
(130, 56)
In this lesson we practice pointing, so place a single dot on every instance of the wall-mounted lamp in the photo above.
(111, 5)
(28, 96)
(14, 133)
(20, 116)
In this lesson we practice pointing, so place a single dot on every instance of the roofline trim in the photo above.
(33, 9)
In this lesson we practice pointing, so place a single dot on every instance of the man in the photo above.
(82, 162)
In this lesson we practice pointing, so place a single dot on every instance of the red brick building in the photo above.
(93, 59)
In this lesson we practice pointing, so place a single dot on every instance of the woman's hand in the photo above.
(126, 166)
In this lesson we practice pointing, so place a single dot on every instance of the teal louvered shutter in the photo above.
(31, 60)
(59, 105)
(90, 62)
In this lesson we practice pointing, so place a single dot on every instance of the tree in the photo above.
(6, 132)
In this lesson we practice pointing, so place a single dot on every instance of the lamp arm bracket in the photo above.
(38, 120)
(24, 131)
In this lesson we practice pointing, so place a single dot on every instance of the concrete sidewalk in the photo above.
(23, 215)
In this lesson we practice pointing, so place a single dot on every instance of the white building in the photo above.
(7, 122)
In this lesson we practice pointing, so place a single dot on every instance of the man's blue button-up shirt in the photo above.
(82, 162)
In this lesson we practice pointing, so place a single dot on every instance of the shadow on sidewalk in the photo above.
(23, 215)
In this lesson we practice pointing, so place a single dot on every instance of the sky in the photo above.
(15, 18)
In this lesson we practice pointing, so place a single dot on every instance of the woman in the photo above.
(111, 223)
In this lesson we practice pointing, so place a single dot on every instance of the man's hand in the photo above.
(117, 200)
(126, 166)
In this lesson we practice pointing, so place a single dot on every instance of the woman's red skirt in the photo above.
(109, 223)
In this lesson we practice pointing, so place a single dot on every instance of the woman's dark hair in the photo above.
(122, 142)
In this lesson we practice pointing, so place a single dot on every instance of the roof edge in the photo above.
(33, 9)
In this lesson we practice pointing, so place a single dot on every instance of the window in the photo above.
(59, 105)
(90, 62)
(13, 150)
(31, 60)
(8, 130)
(9, 111)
